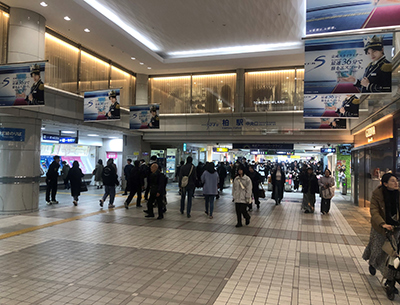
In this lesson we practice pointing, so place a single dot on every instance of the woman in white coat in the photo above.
(241, 193)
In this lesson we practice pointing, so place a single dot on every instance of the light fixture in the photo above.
(113, 137)
(142, 63)
(149, 68)
(116, 19)
(87, 30)
(43, 128)
(93, 135)
(68, 132)
(44, 4)
(67, 18)
(133, 58)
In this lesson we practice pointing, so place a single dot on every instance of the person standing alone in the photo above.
(241, 193)
(52, 181)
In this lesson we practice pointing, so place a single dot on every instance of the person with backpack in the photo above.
(110, 180)
(187, 184)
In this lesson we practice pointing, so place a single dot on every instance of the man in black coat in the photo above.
(135, 184)
(127, 172)
(255, 180)
(309, 188)
(157, 189)
(52, 181)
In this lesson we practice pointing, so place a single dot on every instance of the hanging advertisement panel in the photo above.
(102, 105)
(325, 123)
(349, 65)
(22, 84)
(331, 106)
(144, 117)
(343, 15)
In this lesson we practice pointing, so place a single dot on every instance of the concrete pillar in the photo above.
(26, 36)
(239, 98)
(142, 89)
(20, 166)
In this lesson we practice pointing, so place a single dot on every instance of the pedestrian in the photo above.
(153, 159)
(127, 172)
(157, 187)
(210, 178)
(98, 174)
(64, 174)
(135, 185)
(309, 189)
(384, 211)
(255, 181)
(75, 177)
(327, 183)
(52, 180)
(187, 184)
(241, 193)
(110, 180)
(278, 179)
(222, 175)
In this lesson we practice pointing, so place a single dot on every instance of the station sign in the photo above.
(221, 149)
(51, 137)
(328, 150)
(68, 140)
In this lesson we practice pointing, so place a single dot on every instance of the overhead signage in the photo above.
(369, 132)
(379, 131)
(68, 140)
(220, 149)
(337, 15)
(325, 123)
(345, 149)
(51, 137)
(328, 150)
(102, 105)
(12, 134)
(332, 106)
(264, 146)
(348, 65)
(144, 117)
(22, 84)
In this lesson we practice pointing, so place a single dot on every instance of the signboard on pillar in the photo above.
(22, 84)
(102, 105)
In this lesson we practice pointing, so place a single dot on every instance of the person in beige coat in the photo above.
(241, 193)
(384, 211)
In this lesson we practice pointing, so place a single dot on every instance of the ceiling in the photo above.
(239, 32)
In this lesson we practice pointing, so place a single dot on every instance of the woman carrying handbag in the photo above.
(327, 183)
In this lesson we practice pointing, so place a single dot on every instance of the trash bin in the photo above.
(344, 186)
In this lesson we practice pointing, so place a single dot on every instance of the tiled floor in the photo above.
(86, 255)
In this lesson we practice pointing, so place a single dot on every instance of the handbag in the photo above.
(84, 186)
(328, 193)
(185, 179)
(261, 192)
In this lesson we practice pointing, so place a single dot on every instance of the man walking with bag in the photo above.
(187, 184)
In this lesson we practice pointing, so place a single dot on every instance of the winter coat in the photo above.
(239, 194)
(110, 177)
(255, 179)
(281, 182)
(310, 182)
(52, 172)
(157, 183)
(98, 172)
(136, 179)
(210, 183)
(377, 210)
(75, 177)
(185, 170)
(64, 171)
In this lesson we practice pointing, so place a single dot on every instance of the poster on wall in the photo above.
(344, 15)
(22, 84)
(349, 65)
(332, 106)
(325, 123)
(102, 105)
(144, 117)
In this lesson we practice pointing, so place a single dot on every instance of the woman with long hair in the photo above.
(241, 193)
(209, 179)
(278, 179)
(75, 177)
(326, 183)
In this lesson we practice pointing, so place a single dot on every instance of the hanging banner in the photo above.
(102, 105)
(144, 117)
(22, 84)
(325, 123)
(344, 15)
(349, 65)
(331, 106)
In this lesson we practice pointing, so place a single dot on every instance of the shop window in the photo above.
(94, 73)
(62, 68)
(274, 90)
(123, 80)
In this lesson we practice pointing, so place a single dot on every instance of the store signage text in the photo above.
(369, 132)
(12, 134)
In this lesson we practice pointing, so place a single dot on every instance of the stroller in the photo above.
(391, 247)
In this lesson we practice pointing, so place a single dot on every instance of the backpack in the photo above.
(185, 179)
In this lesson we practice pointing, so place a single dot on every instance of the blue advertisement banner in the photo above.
(325, 123)
(12, 134)
(22, 84)
(102, 105)
(144, 117)
(344, 15)
(331, 106)
(349, 65)
(50, 137)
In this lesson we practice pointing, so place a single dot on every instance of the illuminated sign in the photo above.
(220, 149)
(369, 132)
(51, 137)
(68, 140)
(328, 150)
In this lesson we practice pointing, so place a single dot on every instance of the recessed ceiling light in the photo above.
(87, 30)
(67, 131)
(93, 135)
(67, 18)
(149, 68)
(142, 63)
(43, 4)
(133, 58)
(43, 128)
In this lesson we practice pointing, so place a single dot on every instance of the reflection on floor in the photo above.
(88, 255)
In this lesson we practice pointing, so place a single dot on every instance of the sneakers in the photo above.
(75, 203)
(211, 217)
(126, 205)
(111, 206)
(101, 202)
(54, 202)
(48, 202)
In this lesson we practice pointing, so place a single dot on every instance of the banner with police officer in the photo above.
(102, 105)
(331, 106)
(22, 84)
(144, 117)
(325, 123)
(349, 65)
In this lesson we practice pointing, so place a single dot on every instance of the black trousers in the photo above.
(158, 200)
(51, 186)
(325, 205)
(146, 192)
(132, 194)
(256, 198)
(241, 209)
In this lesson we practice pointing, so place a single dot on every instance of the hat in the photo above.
(111, 94)
(373, 42)
(35, 69)
(153, 109)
